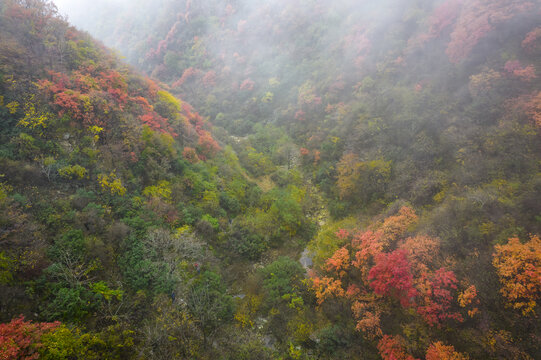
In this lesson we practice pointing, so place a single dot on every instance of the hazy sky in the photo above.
(68, 7)
(71, 5)
(75, 9)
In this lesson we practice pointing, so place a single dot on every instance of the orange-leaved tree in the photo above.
(439, 351)
(519, 268)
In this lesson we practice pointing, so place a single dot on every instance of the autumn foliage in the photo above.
(469, 22)
(532, 41)
(395, 143)
(186, 75)
(383, 266)
(392, 348)
(439, 351)
(190, 155)
(339, 263)
(477, 18)
(444, 16)
(97, 98)
(20, 339)
(391, 276)
(439, 297)
(208, 146)
(519, 268)
(515, 69)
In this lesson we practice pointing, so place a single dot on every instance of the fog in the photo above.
(309, 46)
(247, 37)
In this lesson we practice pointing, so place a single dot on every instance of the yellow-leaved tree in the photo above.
(519, 268)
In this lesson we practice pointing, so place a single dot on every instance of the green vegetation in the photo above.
(395, 146)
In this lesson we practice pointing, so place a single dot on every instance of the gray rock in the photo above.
(269, 341)
(306, 259)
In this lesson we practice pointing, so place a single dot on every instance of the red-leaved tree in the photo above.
(21, 339)
(392, 348)
(391, 276)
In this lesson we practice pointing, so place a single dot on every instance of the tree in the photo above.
(208, 302)
(477, 18)
(171, 332)
(190, 155)
(339, 263)
(483, 83)
(515, 69)
(393, 227)
(531, 43)
(246, 243)
(34, 119)
(392, 348)
(348, 170)
(439, 351)
(438, 298)
(187, 74)
(280, 278)
(468, 298)
(364, 180)
(519, 268)
(367, 273)
(66, 343)
(287, 213)
(111, 183)
(284, 299)
(20, 339)
(327, 287)
(444, 16)
(391, 276)
(367, 245)
(207, 145)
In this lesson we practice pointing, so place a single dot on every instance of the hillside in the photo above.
(159, 209)
(117, 202)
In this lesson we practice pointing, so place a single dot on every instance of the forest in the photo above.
(270, 180)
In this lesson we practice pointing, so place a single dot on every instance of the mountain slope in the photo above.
(118, 205)
(400, 139)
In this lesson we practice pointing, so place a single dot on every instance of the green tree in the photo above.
(208, 302)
